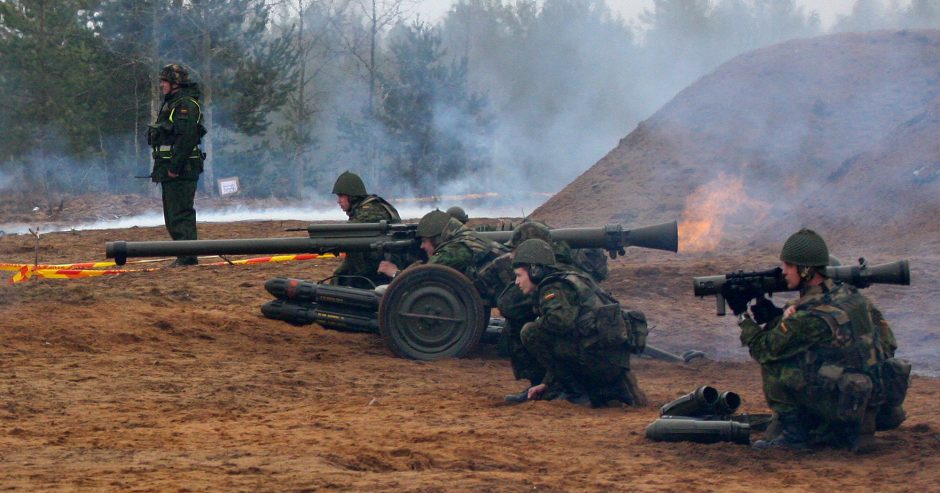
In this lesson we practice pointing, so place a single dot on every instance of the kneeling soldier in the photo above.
(580, 336)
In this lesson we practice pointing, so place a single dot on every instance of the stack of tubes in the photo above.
(705, 416)
(302, 302)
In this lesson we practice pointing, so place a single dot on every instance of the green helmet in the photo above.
(805, 247)
(349, 183)
(432, 224)
(528, 230)
(175, 73)
(459, 214)
(533, 252)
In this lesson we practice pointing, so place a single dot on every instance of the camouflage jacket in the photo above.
(369, 209)
(833, 324)
(481, 260)
(176, 135)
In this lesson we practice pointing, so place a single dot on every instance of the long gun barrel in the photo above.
(772, 281)
(385, 237)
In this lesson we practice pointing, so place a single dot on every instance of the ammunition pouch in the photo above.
(895, 379)
(610, 326)
(854, 392)
(637, 330)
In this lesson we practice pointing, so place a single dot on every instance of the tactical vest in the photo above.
(601, 321)
(847, 369)
(855, 341)
(389, 208)
(492, 268)
(161, 137)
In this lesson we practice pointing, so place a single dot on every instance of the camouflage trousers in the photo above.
(518, 309)
(179, 213)
(789, 391)
(602, 372)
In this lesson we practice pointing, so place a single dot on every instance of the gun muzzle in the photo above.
(865, 275)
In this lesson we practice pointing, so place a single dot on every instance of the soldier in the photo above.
(826, 359)
(579, 337)
(518, 308)
(448, 242)
(177, 158)
(360, 269)
(459, 214)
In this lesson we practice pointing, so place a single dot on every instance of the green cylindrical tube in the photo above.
(700, 402)
(698, 431)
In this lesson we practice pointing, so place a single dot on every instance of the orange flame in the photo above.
(709, 207)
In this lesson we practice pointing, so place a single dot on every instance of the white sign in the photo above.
(228, 186)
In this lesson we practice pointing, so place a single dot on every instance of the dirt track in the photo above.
(172, 380)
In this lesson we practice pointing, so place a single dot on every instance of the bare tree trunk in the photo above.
(300, 169)
(156, 98)
(207, 114)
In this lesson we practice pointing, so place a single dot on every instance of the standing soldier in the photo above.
(360, 269)
(177, 158)
(826, 360)
(580, 336)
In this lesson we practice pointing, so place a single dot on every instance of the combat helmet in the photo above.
(175, 73)
(459, 214)
(533, 252)
(806, 248)
(528, 230)
(350, 184)
(432, 224)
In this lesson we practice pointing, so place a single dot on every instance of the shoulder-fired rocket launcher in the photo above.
(772, 281)
(385, 237)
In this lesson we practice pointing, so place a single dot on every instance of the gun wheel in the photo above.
(431, 312)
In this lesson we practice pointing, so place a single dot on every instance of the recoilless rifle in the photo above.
(427, 312)
(756, 284)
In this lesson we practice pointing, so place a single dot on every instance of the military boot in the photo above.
(518, 397)
(863, 441)
(793, 435)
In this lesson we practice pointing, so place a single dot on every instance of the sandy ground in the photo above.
(173, 381)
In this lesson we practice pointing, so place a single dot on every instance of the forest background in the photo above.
(507, 97)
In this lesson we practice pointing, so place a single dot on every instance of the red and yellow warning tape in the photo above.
(24, 272)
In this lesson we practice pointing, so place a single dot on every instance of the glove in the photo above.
(737, 300)
(764, 310)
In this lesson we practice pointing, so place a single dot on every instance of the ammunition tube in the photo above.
(698, 431)
(302, 313)
(728, 403)
(306, 291)
(700, 402)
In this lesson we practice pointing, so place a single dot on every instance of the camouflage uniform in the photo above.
(572, 341)
(462, 249)
(518, 309)
(824, 363)
(175, 138)
(365, 209)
